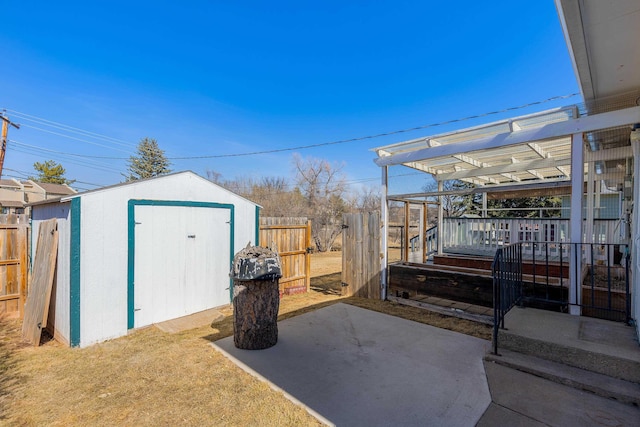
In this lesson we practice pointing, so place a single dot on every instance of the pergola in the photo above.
(575, 147)
(560, 147)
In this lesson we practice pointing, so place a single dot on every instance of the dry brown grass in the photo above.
(153, 378)
(324, 263)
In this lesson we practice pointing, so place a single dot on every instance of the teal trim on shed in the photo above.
(132, 242)
(257, 242)
(74, 272)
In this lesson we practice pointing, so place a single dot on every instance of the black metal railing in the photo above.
(507, 285)
(605, 280)
(541, 279)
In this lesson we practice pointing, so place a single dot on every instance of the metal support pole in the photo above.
(440, 217)
(405, 247)
(575, 223)
(589, 212)
(423, 231)
(635, 231)
(384, 252)
(484, 204)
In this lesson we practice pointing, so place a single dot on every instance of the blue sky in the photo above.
(219, 77)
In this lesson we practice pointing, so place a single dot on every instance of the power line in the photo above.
(80, 162)
(25, 175)
(74, 138)
(76, 162)
(300, 147)
(379, 135)
(62, 126)
(62, 153)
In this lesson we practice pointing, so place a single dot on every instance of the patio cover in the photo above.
(532, 151)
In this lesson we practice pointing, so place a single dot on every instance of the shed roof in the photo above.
(67, 198)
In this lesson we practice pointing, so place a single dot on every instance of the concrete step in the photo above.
(595, 345)
(601, 385)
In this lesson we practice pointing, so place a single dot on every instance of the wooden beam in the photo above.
(44, 263)
(538, 150)
(536, 192)
(489, 189)
(9, 297)
(507, 168)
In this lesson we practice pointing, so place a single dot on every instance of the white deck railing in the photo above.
(483, 236)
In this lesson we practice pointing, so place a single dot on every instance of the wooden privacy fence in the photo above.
(291, 237)
(361, 255)
(14, 231)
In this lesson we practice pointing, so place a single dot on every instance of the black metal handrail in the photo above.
(507, 285)
(604, 285)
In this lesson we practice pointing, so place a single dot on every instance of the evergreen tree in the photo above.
(50, 172)
(149, 161)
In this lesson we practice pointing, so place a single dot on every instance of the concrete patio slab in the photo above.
(523, 399)
(356, 367)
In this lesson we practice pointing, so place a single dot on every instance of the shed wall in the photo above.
(59, 309)
(104, 247)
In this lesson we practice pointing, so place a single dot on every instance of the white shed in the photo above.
(139, 253)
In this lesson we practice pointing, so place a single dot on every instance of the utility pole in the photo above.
(5, 131)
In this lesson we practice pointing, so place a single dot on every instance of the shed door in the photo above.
(182, 259)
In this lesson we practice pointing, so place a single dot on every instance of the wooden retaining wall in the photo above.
(410, 280)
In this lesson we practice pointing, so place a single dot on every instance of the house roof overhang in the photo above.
(602, 38)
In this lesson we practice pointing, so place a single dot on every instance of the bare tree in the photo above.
(213, 176)
(366, 199)
(452, 204)
(273, 194)
(323, 186)
(277, 198)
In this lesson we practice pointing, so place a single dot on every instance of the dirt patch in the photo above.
(154, 378)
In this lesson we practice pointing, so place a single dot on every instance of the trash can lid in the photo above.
(256, 263)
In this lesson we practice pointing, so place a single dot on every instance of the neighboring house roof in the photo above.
(9, 183)
(11, 194)
(58, 189)
(14, 193)
(11, 204)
